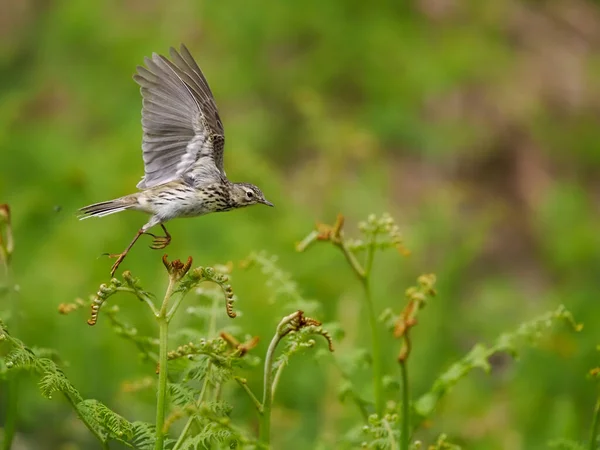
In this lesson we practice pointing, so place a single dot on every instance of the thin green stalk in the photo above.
(162, 383)
(278, 376)
(163, 323)
(245, 387)
(595, 427)
(375, 350)
(405, 419)
(265, 419)
(82, 417)
(364, 275)
(212, 330)
(140, 296)
(12, 383)
(190, 421)
(10, 426)
(358, 269)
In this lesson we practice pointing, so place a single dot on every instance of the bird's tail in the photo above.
(110, 207)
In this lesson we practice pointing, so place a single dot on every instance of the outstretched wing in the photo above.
(183, 134)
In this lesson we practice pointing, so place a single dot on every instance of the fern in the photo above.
(283, 290)
(479, 356)
(144, 435)
(182, 395)
(565, 444)
(111, 423)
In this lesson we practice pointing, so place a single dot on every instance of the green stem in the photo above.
(10, 426)
(405, 419)
(162, 383)
(278, 376)
(595, 427)
(242, 382)
(163, 323)
(364, 275)
(212, 330)
(95, 432)
(12, 383)
(265, 419)
(358, 269)
(190, 421)
(375, 350)
(141, 297)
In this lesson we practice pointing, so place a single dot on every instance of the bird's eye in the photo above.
(249, 194)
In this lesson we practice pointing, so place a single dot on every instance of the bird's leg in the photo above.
(121, 256)
(160, 242)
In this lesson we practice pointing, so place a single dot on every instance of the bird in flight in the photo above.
(182, 148)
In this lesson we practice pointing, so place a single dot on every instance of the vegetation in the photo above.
(472, 123)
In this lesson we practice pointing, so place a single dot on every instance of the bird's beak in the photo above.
(267, 202)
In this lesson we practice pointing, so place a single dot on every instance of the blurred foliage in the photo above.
(474, 123)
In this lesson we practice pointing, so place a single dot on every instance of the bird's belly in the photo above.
(184, 208)
(169, 204)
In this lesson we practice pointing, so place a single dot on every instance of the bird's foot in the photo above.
(159, 242)
(120, 257)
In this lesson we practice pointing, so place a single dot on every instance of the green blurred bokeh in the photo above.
(473, 123)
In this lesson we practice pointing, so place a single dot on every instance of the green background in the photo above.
(475, 124)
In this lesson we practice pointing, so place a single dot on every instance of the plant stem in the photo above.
(212, 330)
(278, 376)
(12, 383)
(358, 269)
(191, 420)
(103, 442)
(10, 425)
(595, 427)
(405, 419)
(163, 323)
(245, 387)
(375, 350)
(265, 420)
(162, 383)
(364, 275)
(140, 296)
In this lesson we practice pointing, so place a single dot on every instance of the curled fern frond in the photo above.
(297, 322)
(215, 348)
(104, 292)
(201, 274)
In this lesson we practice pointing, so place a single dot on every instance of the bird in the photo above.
(182, 150)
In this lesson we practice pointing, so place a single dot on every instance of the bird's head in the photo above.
(246, 194)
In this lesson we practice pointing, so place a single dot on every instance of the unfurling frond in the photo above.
(201, 274)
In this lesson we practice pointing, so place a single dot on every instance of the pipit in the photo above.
(182, 149)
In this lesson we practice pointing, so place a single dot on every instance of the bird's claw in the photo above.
(159, 242)
(120, 257)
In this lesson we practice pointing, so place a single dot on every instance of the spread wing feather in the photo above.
(183, 133)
